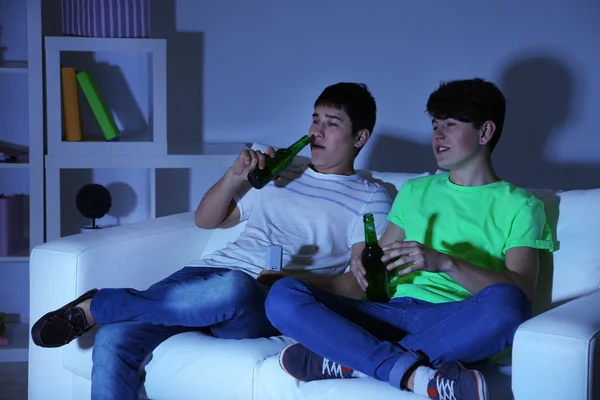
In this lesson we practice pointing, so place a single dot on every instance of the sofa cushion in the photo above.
(193, 365)
(274, 381)
(576, 264)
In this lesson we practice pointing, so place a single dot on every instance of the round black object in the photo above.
(93, 201)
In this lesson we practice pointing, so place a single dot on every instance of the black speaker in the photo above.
(93, 201)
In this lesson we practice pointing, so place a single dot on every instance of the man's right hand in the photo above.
(248, 160)
(359, 272)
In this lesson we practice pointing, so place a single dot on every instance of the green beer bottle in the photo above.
(258, 178)
(377, 274)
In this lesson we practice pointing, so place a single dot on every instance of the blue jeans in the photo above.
(229, 303)
(385, 341)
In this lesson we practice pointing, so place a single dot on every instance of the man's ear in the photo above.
(486, 132)
(361, 138)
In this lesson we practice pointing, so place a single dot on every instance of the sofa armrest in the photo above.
(555, 354)
(134, 255)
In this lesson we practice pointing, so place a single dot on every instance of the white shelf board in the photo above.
(77, 43)
(18, 345)
(13, 165)
(22, 256)
(135, 161)
(19, 67)
(106, 148)
(13, 259)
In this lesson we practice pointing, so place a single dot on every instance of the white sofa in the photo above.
(554, 356)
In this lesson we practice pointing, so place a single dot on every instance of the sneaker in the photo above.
(306, 365)
(452, 381)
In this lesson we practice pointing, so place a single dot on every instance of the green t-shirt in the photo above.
(477, 224)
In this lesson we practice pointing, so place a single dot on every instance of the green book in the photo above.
(101, 112)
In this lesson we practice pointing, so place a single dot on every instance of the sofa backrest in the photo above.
(571, 271)
(574, 268)
(390, 181)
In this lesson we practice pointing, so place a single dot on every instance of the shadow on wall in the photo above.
(124, 200)
(172, 191)
(185, 62)
(539, 93)
(392, 153)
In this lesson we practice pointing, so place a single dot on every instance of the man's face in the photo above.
(332, 148)
(454, 142)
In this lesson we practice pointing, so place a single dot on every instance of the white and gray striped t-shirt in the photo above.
(315, 217)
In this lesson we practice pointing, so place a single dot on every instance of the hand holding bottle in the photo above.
(376, 273)
(260, 177)
(250, 159)
(359, 272)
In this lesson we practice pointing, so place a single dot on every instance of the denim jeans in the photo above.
(229, 303)
(385, 340)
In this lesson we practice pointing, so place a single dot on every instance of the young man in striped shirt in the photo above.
(313, 210)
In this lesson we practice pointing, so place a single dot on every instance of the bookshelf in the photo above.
(154, 140)
(69, 164)
(22, 124)
(131, 161)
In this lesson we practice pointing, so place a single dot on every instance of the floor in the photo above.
(13, 381)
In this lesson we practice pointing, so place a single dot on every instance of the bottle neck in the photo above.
(299, 145)
(370, 234)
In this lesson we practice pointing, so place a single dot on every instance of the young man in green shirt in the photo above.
(463, 248)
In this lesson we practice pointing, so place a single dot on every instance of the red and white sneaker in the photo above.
(306, 365)
(452, 381)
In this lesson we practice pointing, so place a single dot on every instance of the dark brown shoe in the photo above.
(61, 326)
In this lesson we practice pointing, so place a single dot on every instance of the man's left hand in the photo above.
(410, 256)
(268, 277)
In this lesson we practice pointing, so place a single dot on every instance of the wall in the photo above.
(263, 63)
(250, 71)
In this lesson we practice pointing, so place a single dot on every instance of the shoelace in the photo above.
(445, 388)
(331, 368)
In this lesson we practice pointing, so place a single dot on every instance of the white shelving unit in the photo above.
(93, 154)
(99, 154)
(22, 30)
(21, 77)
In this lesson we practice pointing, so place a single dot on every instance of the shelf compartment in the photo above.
(18, 345)
(130, 196)
(110, 62)
(15, 120)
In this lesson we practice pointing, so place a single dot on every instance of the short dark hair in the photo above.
(469, 100)
(354, 99)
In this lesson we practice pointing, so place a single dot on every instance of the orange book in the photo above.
(70, 105)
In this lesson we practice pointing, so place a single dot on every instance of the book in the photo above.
(70, 105)
(101, 112)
